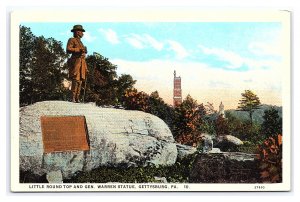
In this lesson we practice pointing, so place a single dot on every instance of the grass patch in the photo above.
(177, 173)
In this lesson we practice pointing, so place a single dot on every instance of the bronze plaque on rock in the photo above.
(64, 133)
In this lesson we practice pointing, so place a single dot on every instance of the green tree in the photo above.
(159, 108)
(135, 100)
(221, 126)
(48, 69)
(102, 80)
(243, 129)
(156, 105)
(272, 124)
(27, 40)
(249, 103)
(208, 125)
(42, 68)
(188, 121)
(103, 84)
(124, 83)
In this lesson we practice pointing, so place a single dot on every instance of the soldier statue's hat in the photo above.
(77, 27)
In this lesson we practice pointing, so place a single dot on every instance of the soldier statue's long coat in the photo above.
(76, 64)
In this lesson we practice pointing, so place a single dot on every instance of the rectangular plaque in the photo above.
(64, 133)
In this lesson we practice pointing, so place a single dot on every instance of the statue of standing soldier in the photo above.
(76, 63)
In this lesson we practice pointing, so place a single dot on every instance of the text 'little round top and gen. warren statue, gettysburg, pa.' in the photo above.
(59, 138)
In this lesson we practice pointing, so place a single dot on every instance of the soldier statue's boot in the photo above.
(77, 100)
(73, 100)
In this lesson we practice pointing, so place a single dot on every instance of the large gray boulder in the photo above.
(230, 139)
(116, 136)
(228, 143)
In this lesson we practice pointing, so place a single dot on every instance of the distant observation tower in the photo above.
(221, 110)
(177, 93)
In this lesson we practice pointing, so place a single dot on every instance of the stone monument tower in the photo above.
(221, 110)
(177, 93)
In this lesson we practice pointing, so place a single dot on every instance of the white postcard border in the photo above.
(151, 15)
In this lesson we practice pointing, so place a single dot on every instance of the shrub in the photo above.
(270, 156)
(272, 124)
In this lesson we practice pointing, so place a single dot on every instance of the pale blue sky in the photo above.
(225, 58)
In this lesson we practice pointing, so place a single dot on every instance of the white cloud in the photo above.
(153, 42)
(88, 37)
(144, 41)
(234, 59)
(110, 35)
(135, 41)
(180, 51)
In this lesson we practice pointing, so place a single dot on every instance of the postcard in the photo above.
(150, 99)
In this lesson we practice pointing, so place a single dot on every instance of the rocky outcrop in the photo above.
(230, 139)
(116, 137)
(228, 143)
(185, 150)
(225, 167)
(207, 142)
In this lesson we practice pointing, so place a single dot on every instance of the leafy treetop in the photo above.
(249, 103)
